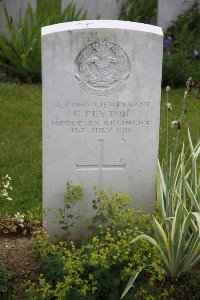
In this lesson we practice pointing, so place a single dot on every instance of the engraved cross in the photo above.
(100, 167)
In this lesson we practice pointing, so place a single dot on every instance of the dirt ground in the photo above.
(19, 259)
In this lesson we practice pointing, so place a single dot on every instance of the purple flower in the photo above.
(151, 22)
(195, 54)
(167, 44)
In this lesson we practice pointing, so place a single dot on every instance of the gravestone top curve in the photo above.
(98, 24)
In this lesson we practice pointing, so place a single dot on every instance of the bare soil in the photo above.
(19, 259)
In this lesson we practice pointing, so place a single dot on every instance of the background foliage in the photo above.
(143, 11)
(41, 5)
(181, 41)
(182, 48)
(20, 53)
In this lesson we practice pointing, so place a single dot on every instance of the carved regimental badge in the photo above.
(102, 68)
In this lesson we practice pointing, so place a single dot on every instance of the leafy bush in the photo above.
(4, 278)
(114, 210)
(67, 217)
(182, 48)
(21, 53)
(4, 77)
(181, 43)
(188, 285)
(143, 11)
(185, 31)
(99, 267)
(177, 67)
(20, 224)
(96, 270)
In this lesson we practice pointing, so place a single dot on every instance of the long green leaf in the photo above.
(163, 242)
(192, 197)
(130, 283)
(180, 243)
(146, 237)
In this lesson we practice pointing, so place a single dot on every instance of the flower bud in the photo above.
(176, 124)
(169, 106)
(198, 90)
(189, 84)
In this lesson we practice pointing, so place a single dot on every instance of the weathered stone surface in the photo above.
(107, 9)
(169, 10)
(101, 111)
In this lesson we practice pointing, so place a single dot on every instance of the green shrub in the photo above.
(4, 278)
(185, 30)
(4, 77)
(20, 54)
(181, 43)
(99, 268)
(182, 49)
(177, 68)
(67, 217)
(96, 270)
(188, 285)
(143, 11)
(114, 210)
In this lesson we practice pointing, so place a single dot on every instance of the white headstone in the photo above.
(169, 10)
(13, 8)
(107, 9)
(101, 111)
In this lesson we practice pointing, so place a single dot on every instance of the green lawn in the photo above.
(20, 144)
(20, 139)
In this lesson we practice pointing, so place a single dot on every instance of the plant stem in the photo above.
(181, 121)
(167, 151)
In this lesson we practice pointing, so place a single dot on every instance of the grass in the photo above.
(20, 145)
(20, 140)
